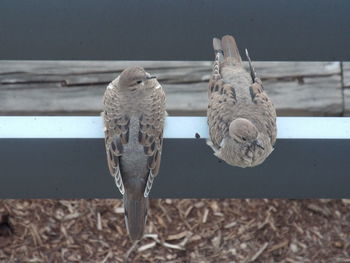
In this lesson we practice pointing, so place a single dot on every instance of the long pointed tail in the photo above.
(252, 70)
(231, 52)
(135, 215)
(219, 58)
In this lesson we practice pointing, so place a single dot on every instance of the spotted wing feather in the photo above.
(116, 128)
(151, 134)
(222, 97)
(265, 105)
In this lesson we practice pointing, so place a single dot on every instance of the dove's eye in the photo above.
(244, 139)
(139, 81)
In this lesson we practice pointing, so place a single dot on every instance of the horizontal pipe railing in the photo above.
(175, 127)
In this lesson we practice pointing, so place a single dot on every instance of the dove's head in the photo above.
(245, 145)
(134, 78)
(244, 131)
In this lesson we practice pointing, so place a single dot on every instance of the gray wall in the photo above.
(77, 168)
(309, 30)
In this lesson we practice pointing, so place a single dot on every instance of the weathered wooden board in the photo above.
(59, 70)
(346, 102)
(318, 96)
(58, 67)
(290, 98)
(346, 74)
(51, 99)
(76, 87)
(346, 87)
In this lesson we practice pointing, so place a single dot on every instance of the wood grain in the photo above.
(76, 87)
(346, 87)
(346, 74)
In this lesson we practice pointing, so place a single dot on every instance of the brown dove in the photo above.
(134, 112)
(241, 117)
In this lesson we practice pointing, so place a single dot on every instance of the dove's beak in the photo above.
(259, 144)
(151, 76)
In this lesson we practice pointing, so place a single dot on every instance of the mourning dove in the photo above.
(241, 117)
(134, 111)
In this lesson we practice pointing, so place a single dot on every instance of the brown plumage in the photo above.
(134, 112)
(241, 117)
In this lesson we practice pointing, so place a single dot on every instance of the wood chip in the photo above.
(199, 204)
(322, 210)
(71, 216)
(293, 233)
(216, 241)
(130, 250)
(346, 201)
(188, 211)
(119, 210)
(338, 244)
(294, 248)
(205, 215)
(99, 223)
(214, 206)
(229, 225)
(178, 236)
(147, 246)
(259, 252)
(278, 246)
(110, 254)
(172, 246)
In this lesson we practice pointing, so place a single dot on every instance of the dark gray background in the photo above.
(309, 30)
(77, 168)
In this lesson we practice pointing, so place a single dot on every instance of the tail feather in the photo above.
(231, 52)
(252, 70)
(219, 58)
(217, 45)
(135, 215)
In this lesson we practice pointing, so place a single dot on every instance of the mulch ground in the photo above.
(227, 231)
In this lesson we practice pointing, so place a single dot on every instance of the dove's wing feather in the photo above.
(264, 110)
(229, 96)
(222, 98)
(151, 134)
(237, 97)
(116, 133)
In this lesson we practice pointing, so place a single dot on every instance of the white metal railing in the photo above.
(176, 127)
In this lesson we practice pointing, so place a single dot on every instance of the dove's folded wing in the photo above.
(151, 134)
(264, 106)
(222, 101)
(116, 128)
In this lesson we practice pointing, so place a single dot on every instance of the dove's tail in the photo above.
(252, 70)
(230, 49)
(135, 209)
(219, 56)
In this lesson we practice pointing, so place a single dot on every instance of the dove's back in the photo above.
(134, 120)
(235, 93)
(233, 72)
